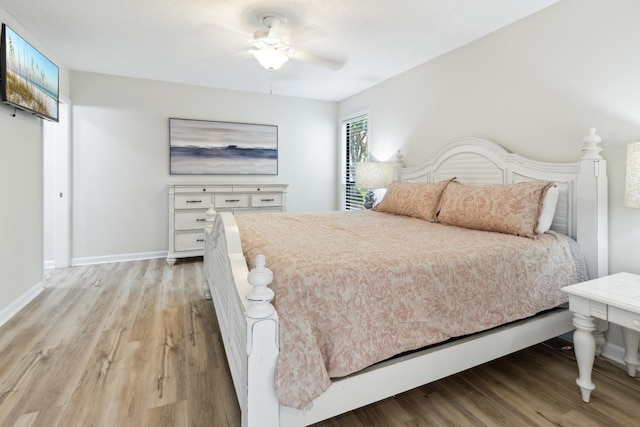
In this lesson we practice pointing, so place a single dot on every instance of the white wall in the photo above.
(21, 223)
(121, 157)
(535, 87)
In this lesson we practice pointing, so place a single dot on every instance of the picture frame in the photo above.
(204, 147)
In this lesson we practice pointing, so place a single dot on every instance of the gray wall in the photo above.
(121, 157)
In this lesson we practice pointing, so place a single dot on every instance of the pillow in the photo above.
(505, 208)
(548, 210)
(413, 199)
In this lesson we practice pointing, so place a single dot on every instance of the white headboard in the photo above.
(581, 212)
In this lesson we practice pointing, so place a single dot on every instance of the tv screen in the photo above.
(29, 81)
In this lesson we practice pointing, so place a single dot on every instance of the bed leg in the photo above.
(206, 291)
(263, 407)
(208, 229)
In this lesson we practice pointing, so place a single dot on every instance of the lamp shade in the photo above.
(270, 57)
(372, 175)
(632, 184)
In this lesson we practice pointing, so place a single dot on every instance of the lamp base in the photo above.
(369, 199)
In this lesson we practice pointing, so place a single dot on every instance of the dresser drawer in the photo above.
(624, 318)
(186, 220)
(266, 199)
(192, 201)
(260, 189)
(204, 189)
(189, 241)
(231, 200)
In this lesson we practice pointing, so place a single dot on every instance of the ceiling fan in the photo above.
(271, 48)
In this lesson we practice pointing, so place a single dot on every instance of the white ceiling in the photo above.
(205, 42)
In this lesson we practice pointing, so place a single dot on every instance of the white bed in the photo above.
(249, 323)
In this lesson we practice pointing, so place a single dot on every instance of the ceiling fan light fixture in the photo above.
(271, 58)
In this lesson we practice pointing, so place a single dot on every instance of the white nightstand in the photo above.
(615, 298)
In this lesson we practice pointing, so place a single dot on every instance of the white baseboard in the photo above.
(613, 352)
(118, 258)
(13, 308)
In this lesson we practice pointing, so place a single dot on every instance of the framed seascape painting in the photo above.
(202, 147)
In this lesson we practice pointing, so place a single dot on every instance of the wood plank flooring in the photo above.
(136, 344)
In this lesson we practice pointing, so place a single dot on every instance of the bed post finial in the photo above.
(591, 149)
(399, 163)
(260, 296)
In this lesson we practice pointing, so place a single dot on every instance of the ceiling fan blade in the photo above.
(216, 31)
(306, 34)
(323, 61)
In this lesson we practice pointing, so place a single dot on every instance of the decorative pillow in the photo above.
(505, 208)
(413, 199)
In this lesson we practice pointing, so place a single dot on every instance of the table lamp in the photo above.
(632, 182)
(371, 176)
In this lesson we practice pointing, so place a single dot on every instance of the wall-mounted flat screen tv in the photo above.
(28, 80)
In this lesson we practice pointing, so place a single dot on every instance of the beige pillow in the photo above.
(505, 208)
(412, 199)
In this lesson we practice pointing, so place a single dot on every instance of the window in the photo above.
(355, 148)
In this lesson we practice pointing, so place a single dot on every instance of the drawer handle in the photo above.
(267, 200)
(199, 240)
(194, 201)
(200, 220)
(232, 200)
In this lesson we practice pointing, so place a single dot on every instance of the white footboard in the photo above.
(248, 322)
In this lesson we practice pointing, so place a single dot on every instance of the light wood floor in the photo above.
(135, 344)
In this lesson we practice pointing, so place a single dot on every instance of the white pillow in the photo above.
(548, 210)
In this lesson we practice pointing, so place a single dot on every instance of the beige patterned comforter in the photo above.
(355, 288)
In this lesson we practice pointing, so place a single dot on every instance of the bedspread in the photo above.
(355, 288)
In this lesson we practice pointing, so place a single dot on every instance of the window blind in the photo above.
(355, 146)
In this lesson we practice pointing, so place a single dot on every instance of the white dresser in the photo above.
(188, 205)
